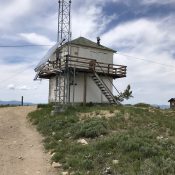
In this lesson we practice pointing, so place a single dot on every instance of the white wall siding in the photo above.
(52, 87)
(93, 93)
(79, 89)
(92, 53)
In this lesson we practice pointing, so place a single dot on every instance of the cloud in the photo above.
(158, 2)
(13, 10)
(23, 87)
(149, 37)
(150, 40)
(87, 20)
(19, 82)
(35, 38)
(11, 87)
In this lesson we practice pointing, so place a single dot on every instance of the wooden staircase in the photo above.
(104, 89)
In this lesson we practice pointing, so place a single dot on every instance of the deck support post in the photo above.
(85, 89)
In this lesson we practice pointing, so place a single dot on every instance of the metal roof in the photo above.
(172, 99)
(88, 43)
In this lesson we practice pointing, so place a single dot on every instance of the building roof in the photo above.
(88, 43)
(172, 99)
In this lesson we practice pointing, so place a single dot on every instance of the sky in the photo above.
(142, 31)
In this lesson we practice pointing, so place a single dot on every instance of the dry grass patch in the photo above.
(98, 114)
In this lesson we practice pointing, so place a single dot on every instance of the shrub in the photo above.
(90, 128)
(142, 105)
(45, 105)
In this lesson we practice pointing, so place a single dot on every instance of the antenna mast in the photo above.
(62, 94)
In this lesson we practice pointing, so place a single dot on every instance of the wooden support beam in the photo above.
(85, 89)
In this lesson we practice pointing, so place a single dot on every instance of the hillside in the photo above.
(114, 140)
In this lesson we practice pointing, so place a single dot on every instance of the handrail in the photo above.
(98, 61)
(106, 87)
(83, 63)
(107, 67)
(108, 78)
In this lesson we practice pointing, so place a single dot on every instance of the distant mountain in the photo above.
(162, 106)
(14, 103)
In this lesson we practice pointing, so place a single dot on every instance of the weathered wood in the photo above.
(85, 89)
(172, 103)
(85, 65)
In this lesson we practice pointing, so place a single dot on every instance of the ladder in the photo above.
(104, 89)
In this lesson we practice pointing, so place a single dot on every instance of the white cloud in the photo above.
(19, 83)
(150, 40)
(36, 38)
(11, 87)
(23, 87)
(90, 24)
(88, 20)
(11, 11)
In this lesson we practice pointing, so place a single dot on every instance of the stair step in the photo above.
(108, 96)
(103, 88)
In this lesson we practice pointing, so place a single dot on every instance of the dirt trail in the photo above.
(21, 150)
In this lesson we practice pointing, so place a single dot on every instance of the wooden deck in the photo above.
(83, 65)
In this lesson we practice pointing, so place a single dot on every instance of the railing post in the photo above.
(92, 65)
(108, 68)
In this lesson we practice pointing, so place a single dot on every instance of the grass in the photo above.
(141, 138)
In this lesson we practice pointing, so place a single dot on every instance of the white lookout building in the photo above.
(91, 71)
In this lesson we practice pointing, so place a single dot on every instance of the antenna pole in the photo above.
(62, 93)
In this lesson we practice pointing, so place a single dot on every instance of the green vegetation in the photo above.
(132, 140)
(126, 95)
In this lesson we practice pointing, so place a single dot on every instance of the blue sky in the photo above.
(138, 28)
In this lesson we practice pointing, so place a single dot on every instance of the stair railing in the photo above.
(107, 77)
(105, 86)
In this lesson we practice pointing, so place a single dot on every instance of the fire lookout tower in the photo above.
(79, 70)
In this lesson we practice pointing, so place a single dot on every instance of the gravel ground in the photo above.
(21, 149)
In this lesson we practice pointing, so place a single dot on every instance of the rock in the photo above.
(115, 162)
(53, 133)
(109, 153)
(56, 165)
(21, 158)
(68, 135)
(159, 137)
(82, 141)
(65, 173)
(107, 171)
(53, 154)
(126, 116)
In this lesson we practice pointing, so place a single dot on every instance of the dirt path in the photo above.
(21, 150)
